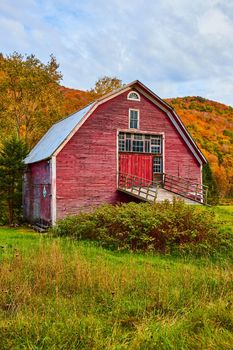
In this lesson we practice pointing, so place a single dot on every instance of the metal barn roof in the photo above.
(55, 136)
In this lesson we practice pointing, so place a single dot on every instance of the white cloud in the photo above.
(177, 47)
(215, 23)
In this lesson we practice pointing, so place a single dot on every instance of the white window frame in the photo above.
(156, 165)
(134, 136)
(133, 99)
(138, 111)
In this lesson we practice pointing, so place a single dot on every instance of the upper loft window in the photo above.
(130, 142)
(133, 119)
(133, 95)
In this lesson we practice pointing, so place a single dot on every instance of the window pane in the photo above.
(147, 146)
(137, 137)
(128, 145)
(133, 124)
(133, 96)
(121, 145)
(133, 119)
(157, 165)
(155, 149)
(156, 145)
(156, 141)
(137, 146)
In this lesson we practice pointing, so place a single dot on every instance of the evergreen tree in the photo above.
(12, 153)
(210, 181)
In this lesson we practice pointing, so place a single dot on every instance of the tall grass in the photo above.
(67, 295)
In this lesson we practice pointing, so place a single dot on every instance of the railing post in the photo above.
(156, 192)
(126, 181)
(187, 188)
(140, 187)
(147, 192)
(205, 198)
(164, 180)
(196, 192)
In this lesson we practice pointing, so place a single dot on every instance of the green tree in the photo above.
(105, 85)
(30, 96)
(210, 181)
(12, 153)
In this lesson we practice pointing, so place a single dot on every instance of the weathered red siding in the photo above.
(87, 165)
(37, 206)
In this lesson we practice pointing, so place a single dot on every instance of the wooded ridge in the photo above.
(32, 100)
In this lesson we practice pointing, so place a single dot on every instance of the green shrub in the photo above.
(163, 227)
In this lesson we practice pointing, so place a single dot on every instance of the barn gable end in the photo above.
(85, 158)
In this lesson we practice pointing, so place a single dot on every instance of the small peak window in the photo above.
(133, 119)
(133, 95)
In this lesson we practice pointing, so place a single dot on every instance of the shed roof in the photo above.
(55, 136)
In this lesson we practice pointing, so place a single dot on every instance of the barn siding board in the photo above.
(87, 165)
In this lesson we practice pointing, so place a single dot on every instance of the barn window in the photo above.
(121, 142)
(133, 95)
(132, 142)
(156, 145)
(137, 143)
(157, 164)
(134, 119)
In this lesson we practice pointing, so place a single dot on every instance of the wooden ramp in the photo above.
(170, 187)
(167, 195)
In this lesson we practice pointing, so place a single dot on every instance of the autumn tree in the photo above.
(105, 85)
(12, 153)
(30, 96)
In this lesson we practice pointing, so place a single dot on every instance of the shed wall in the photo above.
(37, 192)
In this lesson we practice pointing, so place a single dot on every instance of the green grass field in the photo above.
(61, 294)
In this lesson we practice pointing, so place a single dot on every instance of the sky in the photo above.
(175, 47)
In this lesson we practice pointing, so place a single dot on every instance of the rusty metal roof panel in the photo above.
(55, 136)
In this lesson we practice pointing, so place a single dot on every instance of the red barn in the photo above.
(129, 144)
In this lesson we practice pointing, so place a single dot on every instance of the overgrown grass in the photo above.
(63, 294)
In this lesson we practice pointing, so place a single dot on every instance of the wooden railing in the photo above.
(147, 189)
(138, 187)
(186, 188)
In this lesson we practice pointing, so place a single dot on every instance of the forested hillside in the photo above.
(211, 125)
(75, 99)
(32, 99)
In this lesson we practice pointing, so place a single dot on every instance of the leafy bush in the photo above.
(163, 227)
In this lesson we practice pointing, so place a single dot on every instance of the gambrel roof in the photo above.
(60, 133)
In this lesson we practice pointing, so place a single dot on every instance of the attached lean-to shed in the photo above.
(128, 145)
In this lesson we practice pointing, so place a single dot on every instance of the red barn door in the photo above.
(136, 164)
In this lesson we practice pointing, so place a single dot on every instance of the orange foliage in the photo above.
(211, 125)
(75, 99)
